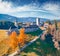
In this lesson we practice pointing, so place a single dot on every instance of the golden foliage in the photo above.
(22, 36)
(10, 43)
(13, 40)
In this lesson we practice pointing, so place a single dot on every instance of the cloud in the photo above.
(48, 10)
(52, 8)
(5, 7)
(8, 8)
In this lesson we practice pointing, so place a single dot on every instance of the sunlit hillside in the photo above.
(4, 41)
(3, 34)
(3, 46)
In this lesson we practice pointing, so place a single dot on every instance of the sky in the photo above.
(49, 9)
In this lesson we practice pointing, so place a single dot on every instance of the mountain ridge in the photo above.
(7, 17)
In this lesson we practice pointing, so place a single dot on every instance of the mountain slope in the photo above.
(6, 17)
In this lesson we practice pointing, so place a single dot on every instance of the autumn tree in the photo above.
(13, 41)
(22, 36)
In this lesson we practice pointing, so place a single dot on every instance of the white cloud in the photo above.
(8, 8)
(52, 8)
(5, 7)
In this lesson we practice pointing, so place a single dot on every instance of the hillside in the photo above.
(6, 24)
(6, 17)
(41, 48)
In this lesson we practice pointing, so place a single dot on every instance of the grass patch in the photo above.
(41, 48)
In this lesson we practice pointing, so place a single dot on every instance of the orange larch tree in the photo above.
(22, 36)
(13, 41)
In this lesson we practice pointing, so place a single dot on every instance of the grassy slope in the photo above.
(3, 34)
(41, 48)
(3, 46)
(38, 48)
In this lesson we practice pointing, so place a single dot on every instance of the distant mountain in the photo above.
(6, 17)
